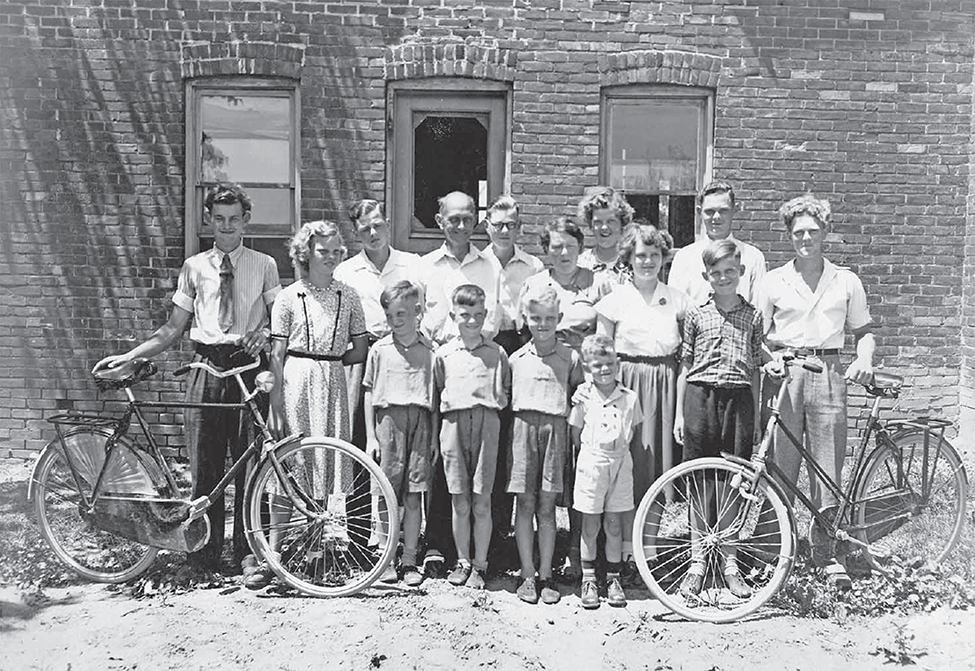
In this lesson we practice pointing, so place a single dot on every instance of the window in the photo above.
(442, 141)
(657, 148)
(245, 131)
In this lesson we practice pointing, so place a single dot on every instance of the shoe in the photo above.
(837, 578)
(527, 591)
(691, 585)
(475, 580)
(459, 575)
(589, 594)
(389, 576)
(432, 564)
(737, 586)
(630, 575)
(260, 578)
(615, 595)
(548, 592)
(412, 576)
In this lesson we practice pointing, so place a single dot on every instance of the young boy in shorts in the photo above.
(400, 413)
(604, 421)
(474, 381)
(717, 393)
(544, 373)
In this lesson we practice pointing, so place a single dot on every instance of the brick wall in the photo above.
(869, 106)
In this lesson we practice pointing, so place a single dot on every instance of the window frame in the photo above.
(195, 187)
(701, 97)
(466, 97)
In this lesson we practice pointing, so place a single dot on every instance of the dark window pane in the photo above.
(645, 207)
(450, 154)
(680, 219)
(245, 138)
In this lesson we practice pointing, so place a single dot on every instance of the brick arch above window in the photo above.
(266, 59)
(418, 60)
(659, 66)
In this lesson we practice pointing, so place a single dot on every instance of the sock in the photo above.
(464, 562)
(627, 551)
(730, 565)
(479, 566)
(613, 570)
(588, 571)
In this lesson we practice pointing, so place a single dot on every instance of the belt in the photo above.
(638, 358)
(809, 351)
(315, 357)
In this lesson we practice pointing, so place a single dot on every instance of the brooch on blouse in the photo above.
(663, 301)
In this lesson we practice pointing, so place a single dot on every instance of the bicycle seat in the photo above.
(884, 384)
(126, 375)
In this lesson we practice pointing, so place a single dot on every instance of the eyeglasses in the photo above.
(511, 225)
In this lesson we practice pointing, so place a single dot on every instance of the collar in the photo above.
(560, 350)
(606, 400)
(421, 339)
(520, 256)
(739, 306)
(443, 252)
(234, 255)
(362, 260)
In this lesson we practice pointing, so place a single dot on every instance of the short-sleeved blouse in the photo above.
(645, 328)
(577, 302)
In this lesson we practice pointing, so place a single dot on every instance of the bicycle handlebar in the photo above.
(230, 372)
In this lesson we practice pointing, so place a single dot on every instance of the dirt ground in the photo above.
(441, 627)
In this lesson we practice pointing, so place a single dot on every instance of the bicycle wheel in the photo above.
(336, 550)
(911, 502)
(62, 514)
(694, 513)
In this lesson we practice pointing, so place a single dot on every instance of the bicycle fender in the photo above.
(53, 445)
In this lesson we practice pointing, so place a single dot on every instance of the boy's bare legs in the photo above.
(613, 525)
(546, 533)
(574, 553)
(525, 533)
(587, 550)
(412, 519)
(482, 530)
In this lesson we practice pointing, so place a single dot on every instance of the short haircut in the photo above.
(719, 250)
(542, 294)
(227, 194)
(299, 247)
(816, 208)
(503, 203)
(468, 295)
(404, 289)
(562, 225)
(597, 345)
(648, 235)
(442, 201)
(364, 208)
(602, 198)
(717, 186)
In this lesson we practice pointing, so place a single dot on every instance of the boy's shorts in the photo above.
(405, 447)
(469, 445)
(604, 483)
(537, 456)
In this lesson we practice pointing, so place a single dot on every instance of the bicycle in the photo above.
(106, 503)
(905, 500)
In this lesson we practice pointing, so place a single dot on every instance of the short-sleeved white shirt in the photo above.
(645, 328)
(519, 268)
(441, 273)
(607, 422)
(362, 275)
(256, 285)
(687, 271)
(796, 316)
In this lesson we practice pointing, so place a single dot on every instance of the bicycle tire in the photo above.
(910, 514)
(765, 543)
(92, 553)
(330, 554)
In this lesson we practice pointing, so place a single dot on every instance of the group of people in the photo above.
(491, 381)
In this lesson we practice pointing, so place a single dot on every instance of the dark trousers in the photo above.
(210, 434)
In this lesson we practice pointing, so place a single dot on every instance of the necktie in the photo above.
(226, 294)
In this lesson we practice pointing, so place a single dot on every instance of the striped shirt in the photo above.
(723, 349)
(198, 292)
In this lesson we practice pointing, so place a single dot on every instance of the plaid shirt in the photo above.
(723, 348)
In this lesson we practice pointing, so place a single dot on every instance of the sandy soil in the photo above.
(441, 627)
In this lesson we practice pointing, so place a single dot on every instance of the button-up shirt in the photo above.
(360, 273)
(687, 271)
(645, 327)
(544, 382)
(468, 378)
(722, 349)
(519, 268)
(256, 284)
(441, 273)
(607, 422)
(795, 316)
(400, 375)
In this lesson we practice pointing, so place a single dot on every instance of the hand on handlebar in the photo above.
(775, 369)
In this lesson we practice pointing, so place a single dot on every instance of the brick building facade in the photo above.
(108, 107)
